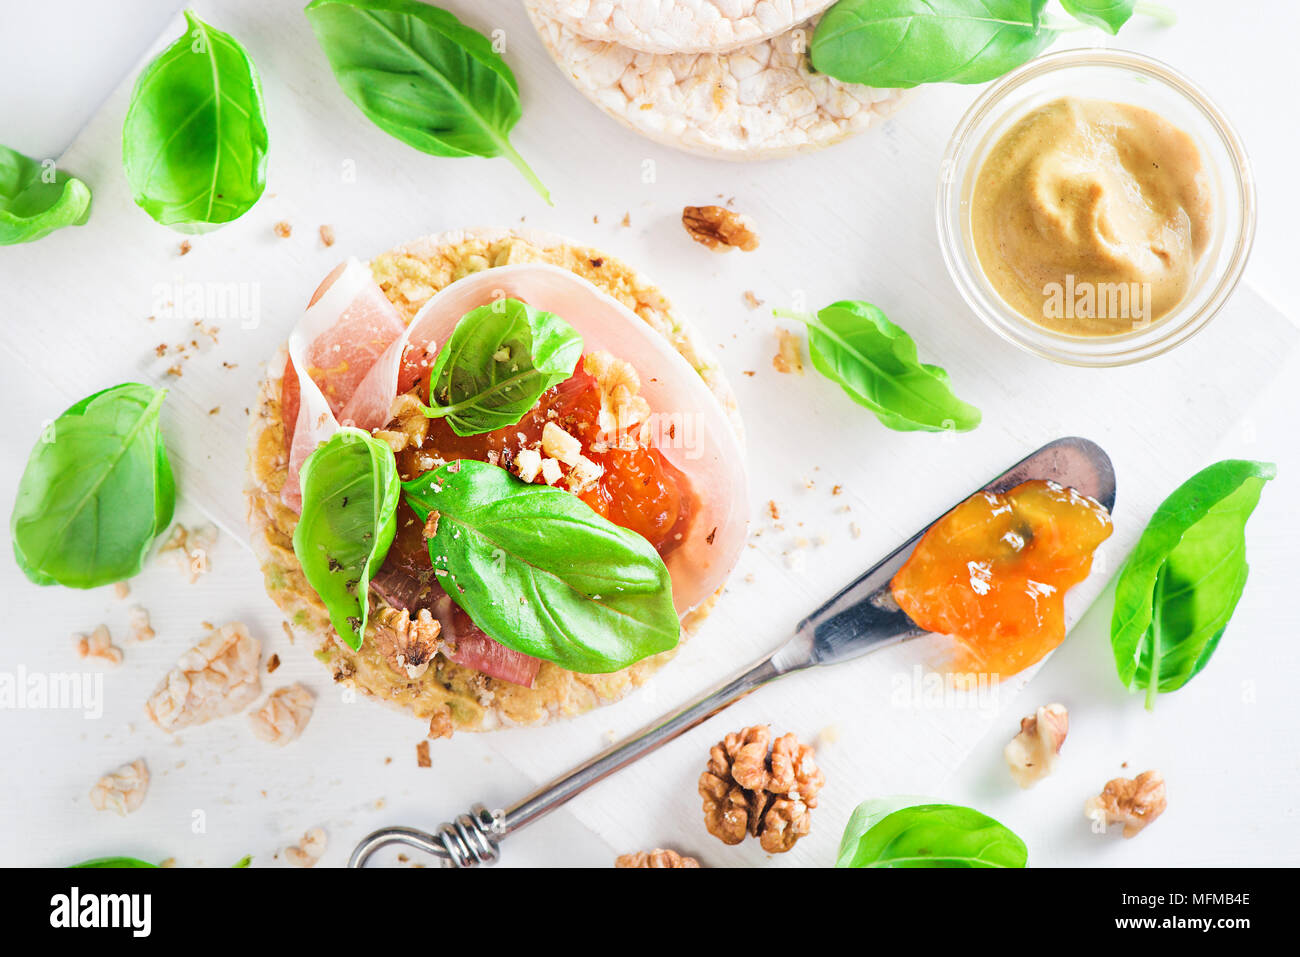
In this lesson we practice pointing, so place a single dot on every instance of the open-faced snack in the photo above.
(757, 101)
(684, 26)
(566, 484)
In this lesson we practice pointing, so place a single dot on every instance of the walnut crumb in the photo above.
(283, 229)
(327, 235)
(761, 787)
(789, 353)
(440, 725)
(121, 590)
(422, 755)
(659, 857)
(185, 247)
(1032, 753)
(1133, 802)
(309, 850)
(272, 663)
(122, 790)
(751, 300)
(719, 228)
(431, 524)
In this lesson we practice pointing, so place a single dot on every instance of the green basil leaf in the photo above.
(496, 364)
(1179, 588)
(113, 862)
(194, 142)
(537, 569)
(422, 76)
(904, 43)
(36, 199)
(881, 833)
(244, 861)
(1108, 14)
(350, 490)
(96, 492)
(875, 363)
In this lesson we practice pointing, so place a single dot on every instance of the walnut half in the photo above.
(1133, 802)
(748, 788)
(659, 857)
(407, 645)
(719, 228)
(1032, 753)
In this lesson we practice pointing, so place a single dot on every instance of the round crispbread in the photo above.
(449, 695)
(759, 101)
(680, 26)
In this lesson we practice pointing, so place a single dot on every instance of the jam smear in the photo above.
(992, 574)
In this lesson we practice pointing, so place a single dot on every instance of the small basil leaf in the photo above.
(350, 490)
(422, 76)
(496, 364)
(1108, 14)
(36, 199)
(537, 569)
(1179, 588)
(881, 833)
(96, 492)
(194, 141)
(904, 43)
(113, 862)
(875, 363)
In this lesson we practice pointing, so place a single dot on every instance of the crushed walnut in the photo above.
(440, 725)
(284, 716)
(659, 857)
(719, 228)
(215, 678)
(1031, 754)
(1133, 802)
(789, 353)
(621, 407)
(761, 787)
(98, 644)
(121, 590)
(408, 646)
(122, 790)
(422, 759)
(327, 235)
(309, 850)
(188, 548)
(412, 425)
(138, 626)
(283, 229)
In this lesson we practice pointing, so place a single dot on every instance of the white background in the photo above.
(1225, 743)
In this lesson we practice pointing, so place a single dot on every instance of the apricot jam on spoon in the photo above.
(993, 573)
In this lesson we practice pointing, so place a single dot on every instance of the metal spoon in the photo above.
(860, 618)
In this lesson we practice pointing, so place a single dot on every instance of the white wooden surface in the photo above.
(854, 221)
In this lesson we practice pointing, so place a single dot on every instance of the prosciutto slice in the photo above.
(350, 355)
(347, 327)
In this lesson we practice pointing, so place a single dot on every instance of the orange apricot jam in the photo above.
(992, 574)
(638, 489)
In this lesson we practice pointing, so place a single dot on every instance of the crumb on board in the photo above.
(272, 663)
(789, 353)
(327, 235)
(283, 229)
(752, 301)
(422, 755)
(185, 246)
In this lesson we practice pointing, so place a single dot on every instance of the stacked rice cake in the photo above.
(728, 79)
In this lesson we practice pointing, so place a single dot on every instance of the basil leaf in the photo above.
(882, 834)
(904, 43)
(194, 142)
(113, 862)
(36, 199)
(1108, 14)
(422, 76)
(537, 569)
(875, 363)
(1180, 586)
(350, 491)
(496, 364)
(96, 492)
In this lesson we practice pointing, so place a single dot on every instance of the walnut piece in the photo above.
(762, 787)
(789, 353)
(188, 548)
(309, 849)
(719, 228)
(408, 646)
(1133, 802)
(621, 407)
(659, 857)
(98, 644)
(122, 790)
(1032, 753)
(215, 678)
(284, 716)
